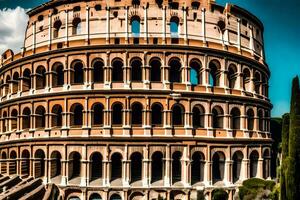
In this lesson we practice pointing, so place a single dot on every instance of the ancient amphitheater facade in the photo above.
(137, 99)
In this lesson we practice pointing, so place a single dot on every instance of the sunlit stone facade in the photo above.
(137, 99)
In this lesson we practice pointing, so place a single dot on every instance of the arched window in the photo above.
(195, 5)
(136, 2)
(136, 167)
(257, 83)
(25, 164)
(39, 163)
(4, 163)
(260, 120)
(231, 76)
(156, 114)
(217, 117)
(15, 82)
(136, 71)
(176, 167)
(98, 114)
(95, 196)
(214, 73)
(26, 118)
(96, 166)
(117, 71)
(117, 114)
(4, 121)
(115, 197)
(76, 115)
(74, 165)
(250, 119)
(116, 166)
(235, 118)
(198, 116)
(40, 118)
(175, 71)
(57, 26)
(218, 166)
(76, 26)
(14, 120)
(174, 26)
(40, 77)
(137, 114)
(7, 83)
(135, 26)
(197, 167)
(98, 71)
(155, 70)
(246, 79)
(156, 167)
(58, 75)
(267, 121)
(77, 77)
(265, 88)
(195, 75)
(253, 163)
(26, 80)
(55, 161)
(12, 163)
(266, 164)
(57, 116)
(177, 115)
(237, 165)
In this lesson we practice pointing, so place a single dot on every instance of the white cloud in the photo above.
(13, 24)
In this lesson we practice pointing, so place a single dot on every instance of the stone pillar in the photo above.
(203, 10)
(164, 24)
(66, 28)
(260, 168)
(126, 25)
(168, 171)
(33, 36)
(185, 25)
(228, 171)
(146, 24)
(245, 169)
(87, 17)
(208, 171)
(49, 31)
(146, 168)
(107, 25)
(239, 34)
(251, 42)
(84, 166)
(65, 173)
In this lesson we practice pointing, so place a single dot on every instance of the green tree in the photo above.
(285, 152)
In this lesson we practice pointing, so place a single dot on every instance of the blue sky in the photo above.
(282, 41)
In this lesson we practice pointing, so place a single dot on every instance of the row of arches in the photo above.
(157, 168)
(179, 116)
(196, 75)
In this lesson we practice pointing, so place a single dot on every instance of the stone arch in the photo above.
(232, 76)
(266, 163)
(137, 114)
(195, 72)
(4, 162)
(98, 70)
(25, 163)
(157, 166)
(76, 29)
(155, 68)
(218, 166)
(74, 165)
(26, 80)
(175, 70)
(77, 75)
(97, 114)
(55, 163)
(40, 117)
(214, 72)
(26, 118)
(198, 116)
(57, 26)
(39, 163)
(117, 70)
(4, 121)
(197, 167)
(136, 196)
(13, 163)
(15, 82)
(96, 166)
(57, 74)
(237, 159)
(257, 82)
(156, 114)
(14, 119)
(76, 115)
(246, 79)
(117, 114)
(250, 119)
(116, 166)
(136, 167)
(178, 112)
(115, 197)
(176, 167)
(235, 118)
(95, 196)
(40, 77)
(56, 116)
(136, 69)
(217, 117)
(253, 163)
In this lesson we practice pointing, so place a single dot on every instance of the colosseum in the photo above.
(137, 100)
